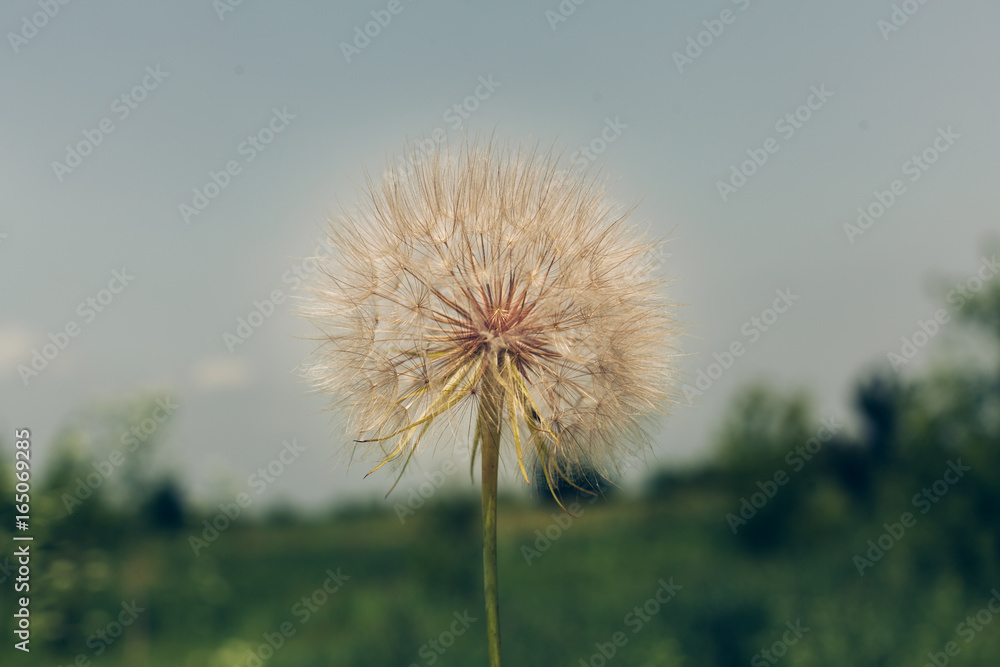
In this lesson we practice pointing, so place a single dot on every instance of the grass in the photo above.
(408, 581)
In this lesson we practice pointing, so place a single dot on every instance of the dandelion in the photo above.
(493, 300)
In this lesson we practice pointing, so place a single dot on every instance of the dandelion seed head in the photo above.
(492, 263)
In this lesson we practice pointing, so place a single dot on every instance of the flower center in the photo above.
(500, 320)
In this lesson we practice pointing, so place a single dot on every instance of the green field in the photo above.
(567, 585)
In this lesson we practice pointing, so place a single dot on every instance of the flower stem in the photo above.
(490, 410)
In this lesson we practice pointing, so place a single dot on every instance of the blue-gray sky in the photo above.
(885, 82)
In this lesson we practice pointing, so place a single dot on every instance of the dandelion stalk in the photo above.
(492, 290)
(490, 410)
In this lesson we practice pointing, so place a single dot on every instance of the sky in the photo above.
(167, 167)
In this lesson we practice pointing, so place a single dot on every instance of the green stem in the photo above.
(490, 410)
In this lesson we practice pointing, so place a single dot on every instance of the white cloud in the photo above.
(15, 347)
(221, 372)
